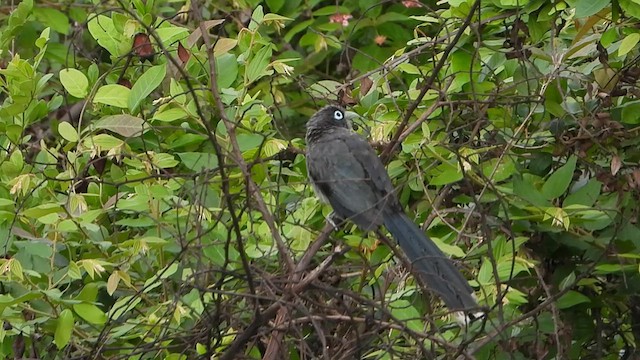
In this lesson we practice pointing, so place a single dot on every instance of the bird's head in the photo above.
(331, 116)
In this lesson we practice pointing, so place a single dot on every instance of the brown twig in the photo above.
(236, 154)
(395, 140)
(265, 316)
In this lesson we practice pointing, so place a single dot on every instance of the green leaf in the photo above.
(113, 94)
(67, 226)
(249, 141)
(297, 28)
(227, 66)
(258, 64)
(17, 19)
(8, 300)
(275, 5)
(103, 141)
(330, 10)
(631, 113)
(256, 18)
(68, 132)
(324, 89)
(630, 7)
(220, 255)
(275, 17)
(558, 183)
(53, 18)
(49, 218)
(586, 195)
(149, 81)
(64, 327)
(199, 161)
(407, 314)
(5, 202)
(448, 173)
(603, 269)
(90, 313)
(112, 282)
(448, 249)
(508, 268)
(171, 34)
(42, 210)
(169, 114)
(163, 160)
(170, 270)
(104, 32)
(572, 298)
(123, 305)
(124, 124)
(74, 82)
(89, 292)
(42, 43)
(586, 8)
(568, 281)
(628, 43)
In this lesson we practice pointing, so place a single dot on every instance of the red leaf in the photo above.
(125, 83)
(183, 54)
(99, 163)
(142, 46)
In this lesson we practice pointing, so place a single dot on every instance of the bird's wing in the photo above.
(350, 176)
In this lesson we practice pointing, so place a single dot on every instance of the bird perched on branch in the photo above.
(346, 173)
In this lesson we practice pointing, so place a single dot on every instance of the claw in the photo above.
(335, 220)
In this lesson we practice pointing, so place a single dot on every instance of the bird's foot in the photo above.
(335, 220)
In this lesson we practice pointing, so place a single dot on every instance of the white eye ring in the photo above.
(338, 115)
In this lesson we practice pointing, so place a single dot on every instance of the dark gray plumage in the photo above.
(346, 173)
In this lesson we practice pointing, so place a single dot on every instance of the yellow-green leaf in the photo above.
(112, 282)
(123, 124)
(628, 43)
(68, 132)
(149, 81)
(64, 327)
(113, 94)
(90, 313)
(74, 82)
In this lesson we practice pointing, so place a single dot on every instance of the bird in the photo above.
(346, 173)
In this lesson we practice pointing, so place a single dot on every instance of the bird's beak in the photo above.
(350, 115)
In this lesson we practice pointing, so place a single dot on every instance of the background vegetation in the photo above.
(154, 200)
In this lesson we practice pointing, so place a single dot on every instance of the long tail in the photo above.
(436, 270)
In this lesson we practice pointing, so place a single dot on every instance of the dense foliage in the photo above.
(154, 200)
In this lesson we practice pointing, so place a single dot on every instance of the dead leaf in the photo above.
(365, 86)
(223, 45)
(113, 200)
(197, 34)
(616, 164)
(345, 97)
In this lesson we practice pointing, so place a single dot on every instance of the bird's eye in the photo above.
(338, 115)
